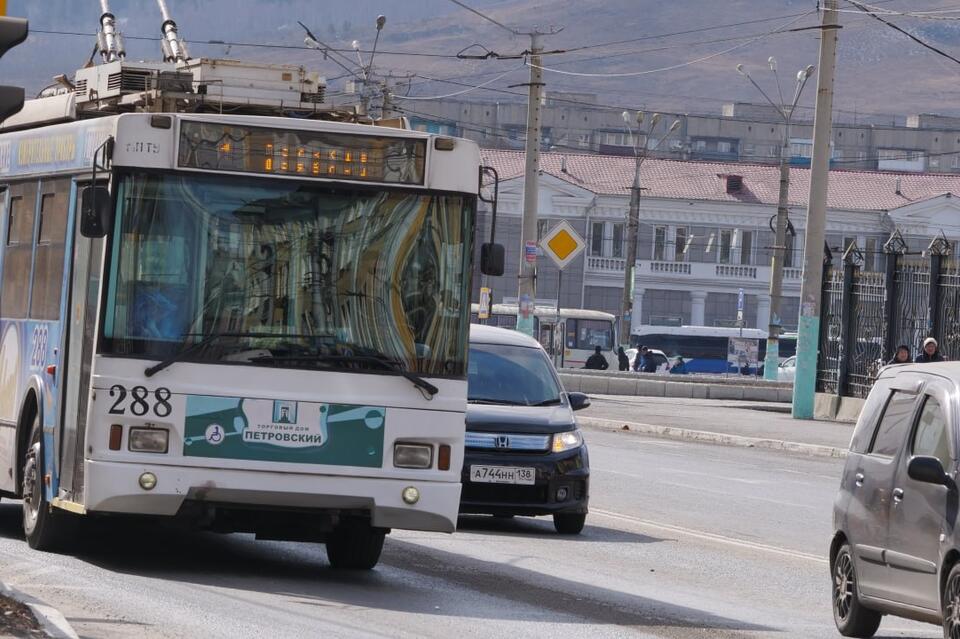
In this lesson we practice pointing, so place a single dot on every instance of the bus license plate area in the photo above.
(502, 475)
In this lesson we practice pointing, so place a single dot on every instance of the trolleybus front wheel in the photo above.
(355, 546)
(44, 527)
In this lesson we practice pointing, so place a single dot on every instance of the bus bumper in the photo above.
(114, 487)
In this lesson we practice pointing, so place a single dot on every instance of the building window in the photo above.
(746, 247)
(789, 244)
(659, 243)
(726, 245)
(700, 145)
(801, 148)
(681, 244)
(870, 254)
(618, 240)
(583, 140)
(749, 149)
(723, 147)
(596, 239)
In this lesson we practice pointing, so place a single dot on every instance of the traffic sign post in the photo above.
(562, 244)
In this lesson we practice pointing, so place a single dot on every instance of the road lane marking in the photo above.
(702, 489)
(708, 536)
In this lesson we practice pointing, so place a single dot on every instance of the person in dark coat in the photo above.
(638, 359)
(902, 356)
(623, 360)
(930, 352)
(597, 361)
(649, 364)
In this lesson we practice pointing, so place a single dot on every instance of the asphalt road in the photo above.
(683, 540)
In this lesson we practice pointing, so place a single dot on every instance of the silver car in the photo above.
(896, 547)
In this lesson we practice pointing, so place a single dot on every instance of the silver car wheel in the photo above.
(951, 608)
(843, 585)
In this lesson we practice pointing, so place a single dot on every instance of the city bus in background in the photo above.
(246, 323)
(703, 348)
(579, 331)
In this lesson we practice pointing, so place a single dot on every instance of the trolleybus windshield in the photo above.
(288, 273)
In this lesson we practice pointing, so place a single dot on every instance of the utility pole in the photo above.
(527, 276)
(633, 228)
(640, 154)
(808, 338)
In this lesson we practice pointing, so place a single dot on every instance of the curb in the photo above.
(670, 432)
(51, 620)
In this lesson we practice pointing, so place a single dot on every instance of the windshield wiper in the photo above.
(549, 402)
(150, 371)
(425, 387)
(494, 402)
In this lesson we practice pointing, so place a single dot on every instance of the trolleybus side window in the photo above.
(18, 251)
(48, 263)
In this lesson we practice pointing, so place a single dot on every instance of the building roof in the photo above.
(695, 180)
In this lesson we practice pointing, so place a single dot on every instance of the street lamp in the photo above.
(771, 362)
(633, 219)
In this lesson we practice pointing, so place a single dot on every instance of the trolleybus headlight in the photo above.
(148, 481)
(411, 495)
(412, 456)
(148, 440)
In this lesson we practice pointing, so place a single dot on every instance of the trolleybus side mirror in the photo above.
(491, 259)
(94, 211)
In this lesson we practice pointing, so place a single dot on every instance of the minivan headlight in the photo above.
(567, 441)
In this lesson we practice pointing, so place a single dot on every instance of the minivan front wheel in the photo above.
(852, 619)
(951, 604)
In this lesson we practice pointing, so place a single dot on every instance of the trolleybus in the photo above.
(249, 323)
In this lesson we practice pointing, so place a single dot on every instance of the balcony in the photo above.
(602, 268)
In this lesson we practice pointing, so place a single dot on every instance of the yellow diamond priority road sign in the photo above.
(562, 244)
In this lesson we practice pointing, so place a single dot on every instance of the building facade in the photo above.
(742, 132)
(705, 232)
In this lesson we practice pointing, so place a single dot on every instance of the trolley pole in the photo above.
(527, 275)
(808, 338)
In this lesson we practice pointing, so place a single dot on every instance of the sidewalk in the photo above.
(760, 425)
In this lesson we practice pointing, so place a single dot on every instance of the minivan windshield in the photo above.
(515, 375)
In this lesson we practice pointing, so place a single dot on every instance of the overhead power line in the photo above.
(484, 16)
(905, 32)
(717, 54)
(257, 45)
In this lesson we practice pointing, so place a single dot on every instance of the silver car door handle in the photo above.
(859, 479)
(897, 495)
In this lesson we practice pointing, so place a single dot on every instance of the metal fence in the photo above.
(866, 315)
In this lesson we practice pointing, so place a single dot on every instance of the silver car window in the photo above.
(930, 436)
(892, 430)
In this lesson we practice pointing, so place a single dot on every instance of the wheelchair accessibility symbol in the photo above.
(214, 434)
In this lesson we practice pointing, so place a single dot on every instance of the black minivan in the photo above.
(524, 453)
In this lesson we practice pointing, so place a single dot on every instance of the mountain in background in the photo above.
(880, 71)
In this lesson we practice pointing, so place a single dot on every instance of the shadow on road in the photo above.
(412, 577)
(543, 527)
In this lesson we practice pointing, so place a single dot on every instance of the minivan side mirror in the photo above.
(95, 203)
(578, 401)
(928, 470)
(491, 259)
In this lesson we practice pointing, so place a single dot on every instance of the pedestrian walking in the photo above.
(622, 359)
(597, 361)
(902, 356)
(638, 358)
(930, 352)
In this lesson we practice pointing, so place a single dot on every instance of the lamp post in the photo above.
(633, 218)
(771, 362)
